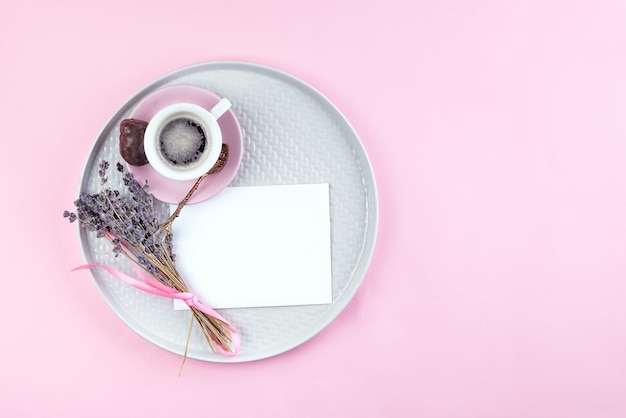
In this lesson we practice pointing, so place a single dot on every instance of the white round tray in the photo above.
(291, 135)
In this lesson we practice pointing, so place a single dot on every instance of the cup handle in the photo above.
(220, 108)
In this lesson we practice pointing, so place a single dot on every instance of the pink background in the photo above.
(497, 133)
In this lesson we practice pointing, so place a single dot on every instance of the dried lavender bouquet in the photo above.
(131, 224)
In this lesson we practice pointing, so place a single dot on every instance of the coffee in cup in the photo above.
(184, 141)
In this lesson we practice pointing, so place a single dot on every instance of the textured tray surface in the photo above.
(291, 135)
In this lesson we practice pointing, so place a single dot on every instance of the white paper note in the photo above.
(257, 246)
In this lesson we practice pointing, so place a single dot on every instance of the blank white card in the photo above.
(257, 246)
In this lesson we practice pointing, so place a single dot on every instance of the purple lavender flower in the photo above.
(128, 221)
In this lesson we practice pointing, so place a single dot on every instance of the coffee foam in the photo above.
(182, 142)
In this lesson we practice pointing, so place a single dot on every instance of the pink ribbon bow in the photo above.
(155, 287)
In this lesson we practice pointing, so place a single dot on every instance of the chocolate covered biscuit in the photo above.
(131, 141)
